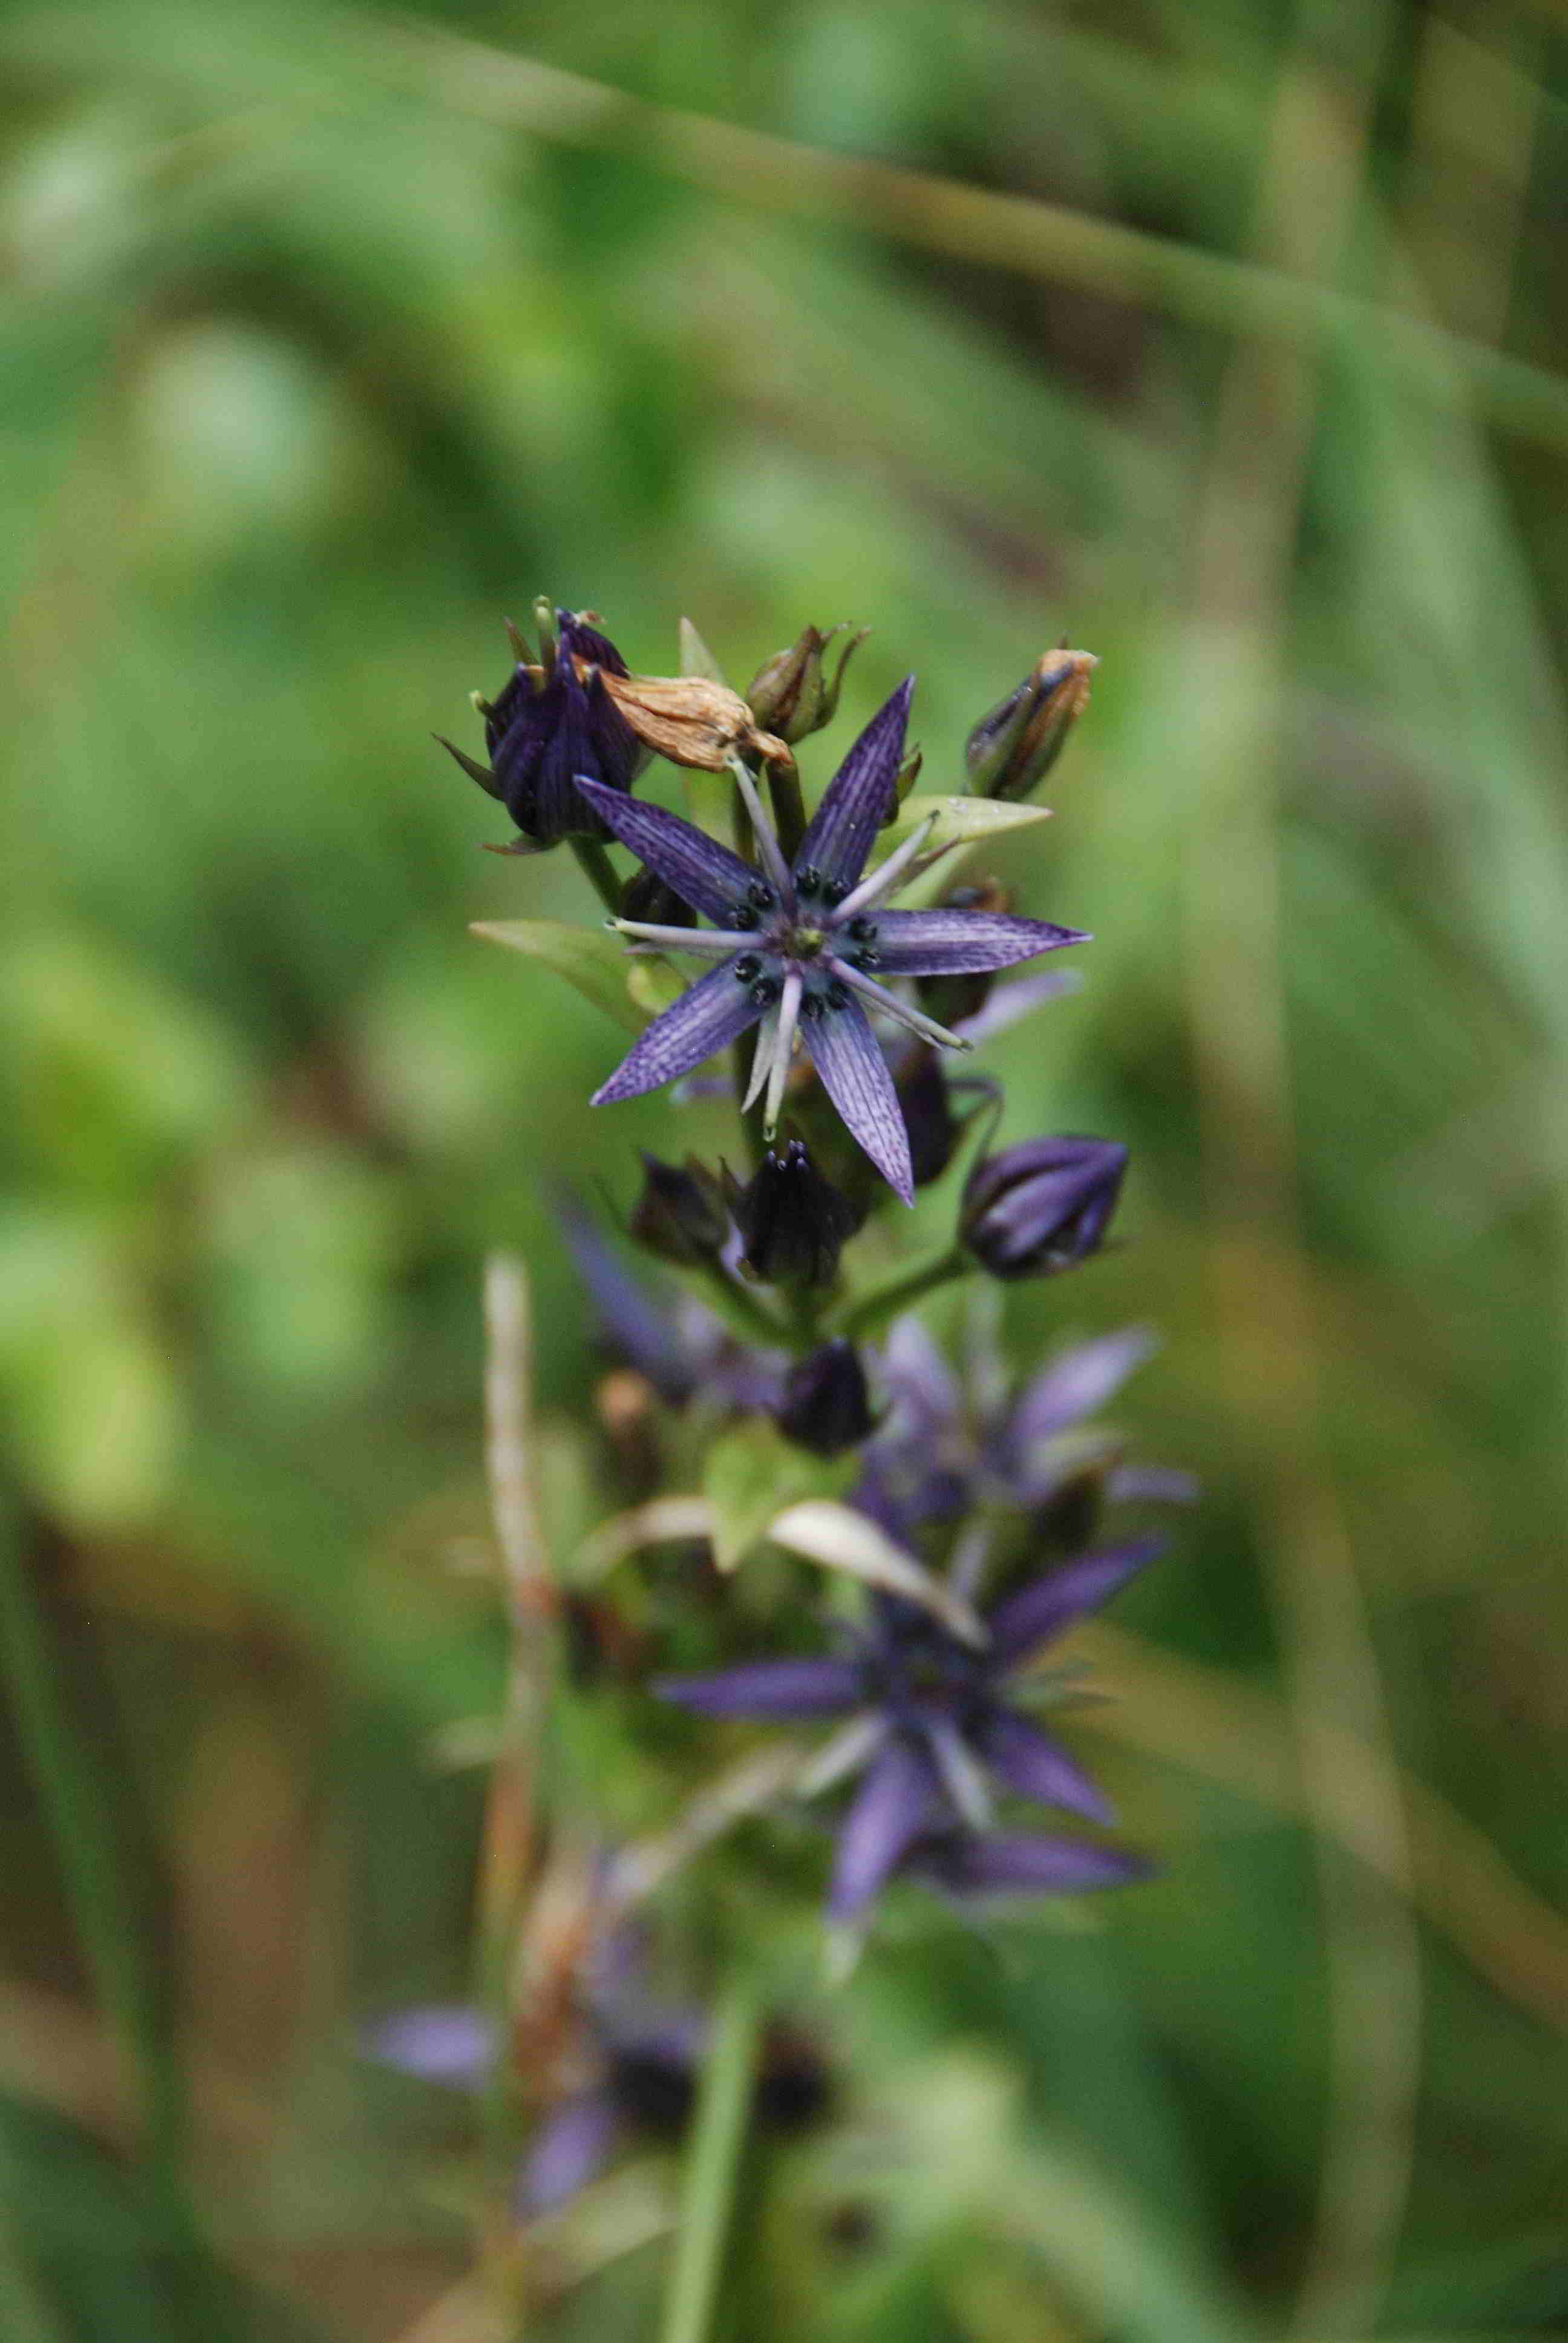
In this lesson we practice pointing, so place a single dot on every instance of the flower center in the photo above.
(805, 943)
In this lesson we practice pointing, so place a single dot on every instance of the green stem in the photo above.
(867, 1312)
(600, 872)
(78, 1807)
(789, 806)
(712, 2163)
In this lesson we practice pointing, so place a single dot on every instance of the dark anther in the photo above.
(808, 880)
(765, 992)
(863, 930)
(811, 1006)
(865, 959)
(761, 894)
(835, 891)
(744, 915)
(748, 968)
(837, 995)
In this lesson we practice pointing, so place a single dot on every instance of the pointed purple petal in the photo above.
(768, 1688)
(889, 1813)
(919, 1378)
(711, 1013)
(951, 942)
(1021, 1863)
(1044, 1611)
(1030, 1762)
(703, 873)
(447, 2042)
(1076, 1384)
(661, 1343)
(859, 796)
(576, 2143)
(856, 1078)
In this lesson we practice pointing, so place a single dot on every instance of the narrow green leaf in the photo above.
(753, 1473)
(589, 957)
(653, 985)
(960, 821)
(696, 659)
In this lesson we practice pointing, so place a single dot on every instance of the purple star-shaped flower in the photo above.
(797, 944)
(930, 1723)
(946, 1443)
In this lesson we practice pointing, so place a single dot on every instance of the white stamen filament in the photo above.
(899, 1010)
(762, 1063)
(842, 1754)
(783, 1050)
(887, 876)
(767, 845)
(961, 1776)
(708, 943)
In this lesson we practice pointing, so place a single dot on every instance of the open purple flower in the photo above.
(931, 1728)
(797, 944)
(638, 2060)
(947, 1444)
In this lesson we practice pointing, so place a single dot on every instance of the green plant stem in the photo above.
(712, 2163)
(867, 1312)
(78, 1807)
(600, 872)
(789, 806)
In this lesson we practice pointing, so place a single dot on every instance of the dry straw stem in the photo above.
(529, 1589)
(1041, 240)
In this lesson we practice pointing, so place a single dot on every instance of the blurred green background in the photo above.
(1228, 340)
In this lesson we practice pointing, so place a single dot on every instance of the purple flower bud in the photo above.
(1041, 1206)
(827, 1407)
(651, 899)
(1011, 751)
(681, 1215)
(551, 722)
(791, 695)
(794, 1223)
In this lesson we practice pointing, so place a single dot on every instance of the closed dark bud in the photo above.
(1011, 751)
(950, 999)
(794, 1223)
(550, 721)
(791, 694)
(645, 897)
(1042, 1206)
(922, 1089)
(680, 1213)
(827, 1407)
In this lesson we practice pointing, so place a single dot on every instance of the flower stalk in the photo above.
(713, 2162)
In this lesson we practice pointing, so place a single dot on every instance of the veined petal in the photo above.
(1030, 1762)
(953, 943)
(575, 2143)
(889, 1813)
(1021, 1863)
(711, 1013)
(856, 1078)
(777, 1689)
(1076, 1384)
(703, 873)
(1047, 1608)
(859, 796)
